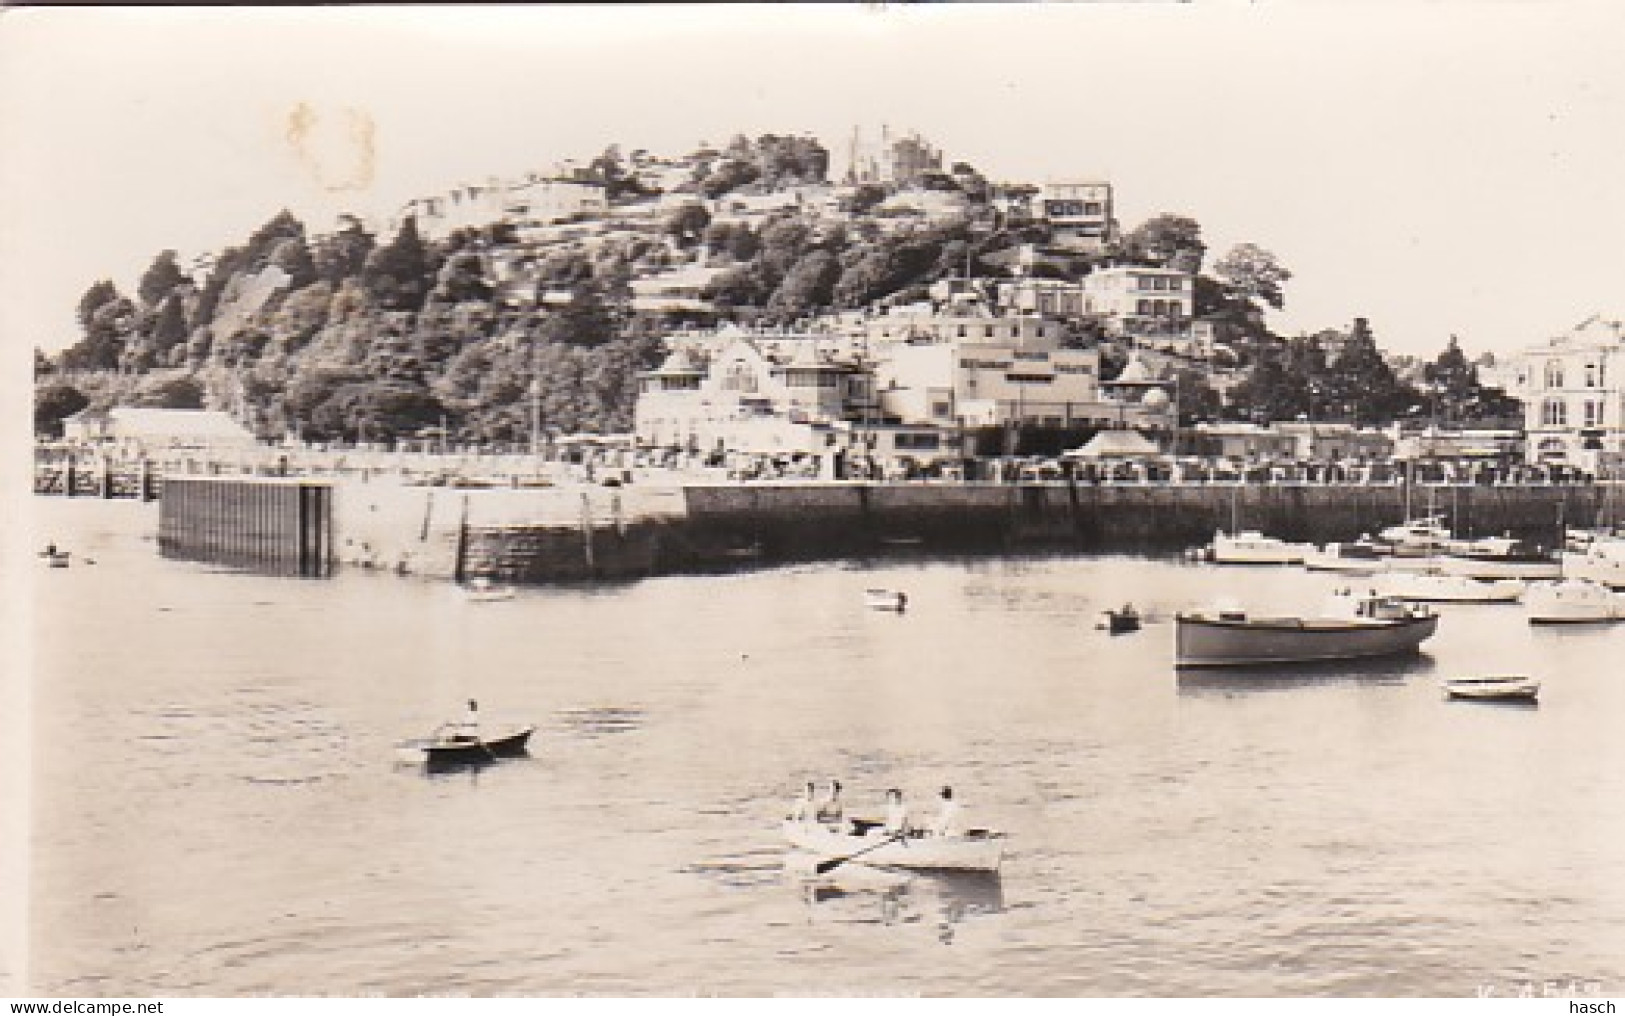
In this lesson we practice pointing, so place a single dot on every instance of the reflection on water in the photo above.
(238, 823)
(1280, 677)
(857, 893)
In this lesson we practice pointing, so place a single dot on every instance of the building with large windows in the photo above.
(1573, 392)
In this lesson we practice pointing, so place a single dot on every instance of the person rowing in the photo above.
(830, 809)
(805, 806)
(948, 821)
(896, 814)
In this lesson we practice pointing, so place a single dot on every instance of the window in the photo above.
(1591, 375)
(1554, 413)
(1144, 308)
(1593, 413)
(941, 410)
(1554, 373)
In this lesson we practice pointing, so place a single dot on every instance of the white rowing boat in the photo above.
(1523, 689)
(978, 850)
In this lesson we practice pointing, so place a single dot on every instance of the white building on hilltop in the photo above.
(1573, 392)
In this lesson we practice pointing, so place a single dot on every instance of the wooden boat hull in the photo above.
(1217, 642)
(463, 752)
(927, 853)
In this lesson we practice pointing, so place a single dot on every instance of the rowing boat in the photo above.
(977, 850)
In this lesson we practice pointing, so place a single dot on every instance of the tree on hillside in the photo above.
(1456, 392)
(729, 175)
(377, 411)
(584, 321)
(171, 393)
(169, 329)
(160, 279)
(687, 223)
(396, 274)
(343, 255)
(292, 256)
(1254, 273)
(1362, 382)
(808, 286)
(1164, 238)
(100, 293)
(56, 403)
(109, 328)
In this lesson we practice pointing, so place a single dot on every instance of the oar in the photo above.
(824, 867)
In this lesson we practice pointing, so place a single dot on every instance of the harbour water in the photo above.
(220, 809)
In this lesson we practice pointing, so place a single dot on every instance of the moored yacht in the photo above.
(1252, 547)
(1417, 537)
(1603, 562)
(1425, 587)
(1361, 557)
(1349, 628)
(1500, 557)
(1572, 601)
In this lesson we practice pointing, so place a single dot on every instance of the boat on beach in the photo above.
(1506, 688)
(1572, 601)
(1253, 547)
(1423, 587)
(977, 850)
(1349, 628)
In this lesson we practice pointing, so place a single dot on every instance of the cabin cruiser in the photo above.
(1417, 537)
(1603, 562)
(1349, 627)
(1500, 557)
(1361, 557)
(1253, 547)
(1432, 587)
(1572, 601)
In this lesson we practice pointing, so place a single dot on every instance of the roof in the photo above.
(1116, 443)
(132, 421)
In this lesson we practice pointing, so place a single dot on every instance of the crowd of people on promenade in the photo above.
(614, 464)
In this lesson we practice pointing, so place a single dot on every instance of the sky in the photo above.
(1440, 168)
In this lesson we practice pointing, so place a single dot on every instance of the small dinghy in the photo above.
(1120, 622)
(1504, 688)
(886, 599)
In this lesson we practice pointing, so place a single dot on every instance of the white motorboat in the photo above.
(1520, 689)
(1349, 628)
(1417, 537)
(885, 599)
(1572, 601)
(1500, 557)
(1602, 562)
(977, 850)
(1358, 558)
(1422, 587)
(1252, 547)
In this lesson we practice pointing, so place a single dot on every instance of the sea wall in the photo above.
(588, 532)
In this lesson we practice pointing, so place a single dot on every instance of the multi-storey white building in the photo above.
(1573, 392)
(1079, 213)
